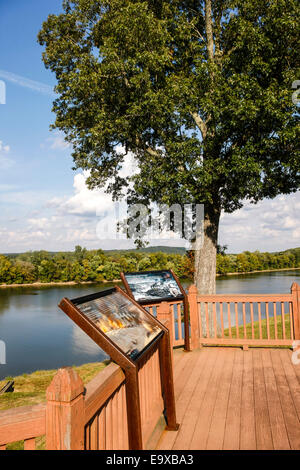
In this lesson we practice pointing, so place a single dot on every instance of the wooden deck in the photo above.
(232, 399)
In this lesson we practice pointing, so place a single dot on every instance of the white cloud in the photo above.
(57, 142)
(27, 83)
(41, 223)
(84, 202)
(62, 222)
(89, 203)
(4, 148)
(268, 226)
(5, 161)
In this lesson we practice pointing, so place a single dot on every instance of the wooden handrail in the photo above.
(210, 313)
(99, 389)
(245, 298)
(25, 422)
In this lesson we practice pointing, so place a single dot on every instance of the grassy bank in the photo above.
(263, 328)
(30, 389)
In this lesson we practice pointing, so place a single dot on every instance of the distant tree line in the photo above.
(94, 265)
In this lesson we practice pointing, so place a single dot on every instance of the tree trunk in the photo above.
(205, 261)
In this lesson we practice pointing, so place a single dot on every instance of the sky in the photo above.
(44, 204)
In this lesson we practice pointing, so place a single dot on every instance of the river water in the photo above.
(38, 335)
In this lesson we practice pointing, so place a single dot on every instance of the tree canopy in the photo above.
(98, 266)
(199, 91)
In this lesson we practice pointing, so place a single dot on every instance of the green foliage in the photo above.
(209, 117)
(95, 266)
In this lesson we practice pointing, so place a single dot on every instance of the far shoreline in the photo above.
(74, 283)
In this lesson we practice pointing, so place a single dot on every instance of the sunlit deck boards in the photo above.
(232, 399)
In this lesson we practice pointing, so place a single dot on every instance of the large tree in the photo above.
(199, 91)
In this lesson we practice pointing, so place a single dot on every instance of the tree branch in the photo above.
(199, 123)
(209, 30)
(149, 150)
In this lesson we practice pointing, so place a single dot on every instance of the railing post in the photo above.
(194, 317)
(165, 316)
(65, 412)
(295, 290)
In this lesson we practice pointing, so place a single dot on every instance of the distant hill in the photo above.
(151, 249)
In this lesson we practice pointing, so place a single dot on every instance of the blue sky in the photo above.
(44, 204)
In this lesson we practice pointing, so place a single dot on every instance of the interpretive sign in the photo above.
(153, 286)
(129, 335)
(126, 324)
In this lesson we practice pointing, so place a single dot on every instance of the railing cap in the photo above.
(163, 308)
(65, 386)
(193, 290)
(295, 287)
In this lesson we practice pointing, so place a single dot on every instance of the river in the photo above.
(38, 335)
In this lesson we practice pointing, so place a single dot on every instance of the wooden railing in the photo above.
(92, 417)
(177, 327)
(22, 424)
(95, 417)
(261, 320)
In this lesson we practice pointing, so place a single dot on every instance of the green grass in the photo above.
(30, 389)
(264, 329)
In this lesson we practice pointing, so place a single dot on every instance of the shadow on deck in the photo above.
(227, 398)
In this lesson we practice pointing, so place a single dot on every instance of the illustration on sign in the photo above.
(122, 321)
(153, 286)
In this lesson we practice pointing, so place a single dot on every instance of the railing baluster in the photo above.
(252, 319)
(87, 437)
(236, 320)
(115, 421)
(283, 320)
(221, 318)
(179, 321)
(29, 444)
(275, 319)
(244, 321)
(102, 429)
(229, 319)
(215, 318)
(291, 320)
(268, 320)
(109, 427)
(259, 319)
(94, 434)
(207, 320)
(199, 312)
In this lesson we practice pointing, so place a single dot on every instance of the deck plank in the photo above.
(189, 421)
(186, 383)
(278, 429)
(232, 399)
(264, 439)
(233, 418)
(218, 422)
(248, 433)
(287, 403)
(291, 378)
(202, 427)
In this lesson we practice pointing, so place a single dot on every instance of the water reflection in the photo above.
(82, 342)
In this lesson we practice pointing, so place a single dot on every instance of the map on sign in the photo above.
(153, 286)
(124, 323)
